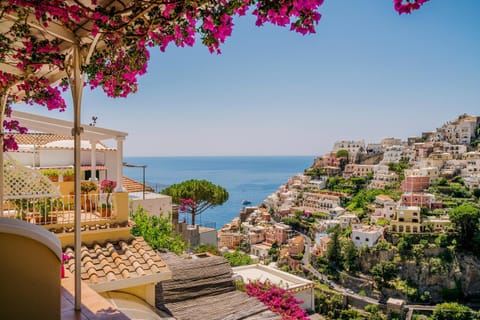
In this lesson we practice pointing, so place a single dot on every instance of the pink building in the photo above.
(322, 247)
(230, 240)
(296, 246)
(278, 233)
(256, 235)
(332, 160)
(415, 183)
(420, 200)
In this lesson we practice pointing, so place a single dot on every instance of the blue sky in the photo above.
(367, 73)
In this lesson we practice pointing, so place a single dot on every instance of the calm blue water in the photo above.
(245, 178)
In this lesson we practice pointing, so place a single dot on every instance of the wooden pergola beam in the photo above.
(53, 29)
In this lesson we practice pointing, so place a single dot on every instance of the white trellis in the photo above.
(25, 183)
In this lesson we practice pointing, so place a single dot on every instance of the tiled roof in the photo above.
(98, 167)
(134, 186)
(42, 139)
(116, 261)
(39, 138)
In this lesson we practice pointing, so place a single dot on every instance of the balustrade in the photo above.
(59, 210)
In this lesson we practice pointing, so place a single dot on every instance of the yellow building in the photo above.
(407, 219)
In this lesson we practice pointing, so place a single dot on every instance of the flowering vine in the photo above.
(277, 299)
(65, 257)
(108, 186)
(407, 6)
(125, 31)
(186, 205)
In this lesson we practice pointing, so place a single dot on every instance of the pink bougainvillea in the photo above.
(277, 299)
(407, 6)
(186, 205)
(65, 257)
(126, 32)
(108, 186)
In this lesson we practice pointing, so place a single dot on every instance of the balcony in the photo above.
(59, 212)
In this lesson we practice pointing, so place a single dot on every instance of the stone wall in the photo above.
(356, 284)
(358, 302)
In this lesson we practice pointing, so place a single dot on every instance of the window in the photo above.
(366, 239)
(357, 238)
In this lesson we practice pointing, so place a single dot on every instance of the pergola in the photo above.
(93, 134)
(77, 44)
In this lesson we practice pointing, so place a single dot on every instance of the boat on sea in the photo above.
(246, 202)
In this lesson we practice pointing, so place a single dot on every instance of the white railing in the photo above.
(59, 210)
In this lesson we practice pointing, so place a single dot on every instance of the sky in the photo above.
(367, 73)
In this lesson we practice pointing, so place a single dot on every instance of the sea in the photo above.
(250, 178)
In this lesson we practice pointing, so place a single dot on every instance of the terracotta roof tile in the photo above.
(119, 260)
(39, 138)
(134, 186)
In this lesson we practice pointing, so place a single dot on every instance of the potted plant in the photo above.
(107, 187)
(68, 174)
(45, 209)
(86, 187)
(52, 174)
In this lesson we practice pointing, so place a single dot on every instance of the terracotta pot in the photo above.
(106, 212)
(88, 203)
(50, 219)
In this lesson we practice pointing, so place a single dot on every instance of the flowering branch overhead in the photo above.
(407, 6)
(114, 38)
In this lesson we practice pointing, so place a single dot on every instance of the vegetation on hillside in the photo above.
(157, 231)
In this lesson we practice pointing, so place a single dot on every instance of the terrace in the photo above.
(29, 194)
(38, 194)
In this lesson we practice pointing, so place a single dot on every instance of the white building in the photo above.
(472, 181)
(388, 142)
(431, 172)
(363, 235)
(374, 148)
(393, 154)
(154, 203)
(301, 288)
(324, 225)
(52, 146)
(347, 219)
(260, 250)
(319, 183)
(385, 210)
(320, 202)
(353, 147)
(382, 177)
(462, 130)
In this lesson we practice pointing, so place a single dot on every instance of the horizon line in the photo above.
(219, 155)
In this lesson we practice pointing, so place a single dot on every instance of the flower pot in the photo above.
(88, 203)
(106, 212)
(39, 219)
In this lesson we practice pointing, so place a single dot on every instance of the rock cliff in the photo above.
(440, 277)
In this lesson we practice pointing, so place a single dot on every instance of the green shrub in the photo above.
(237, 258)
